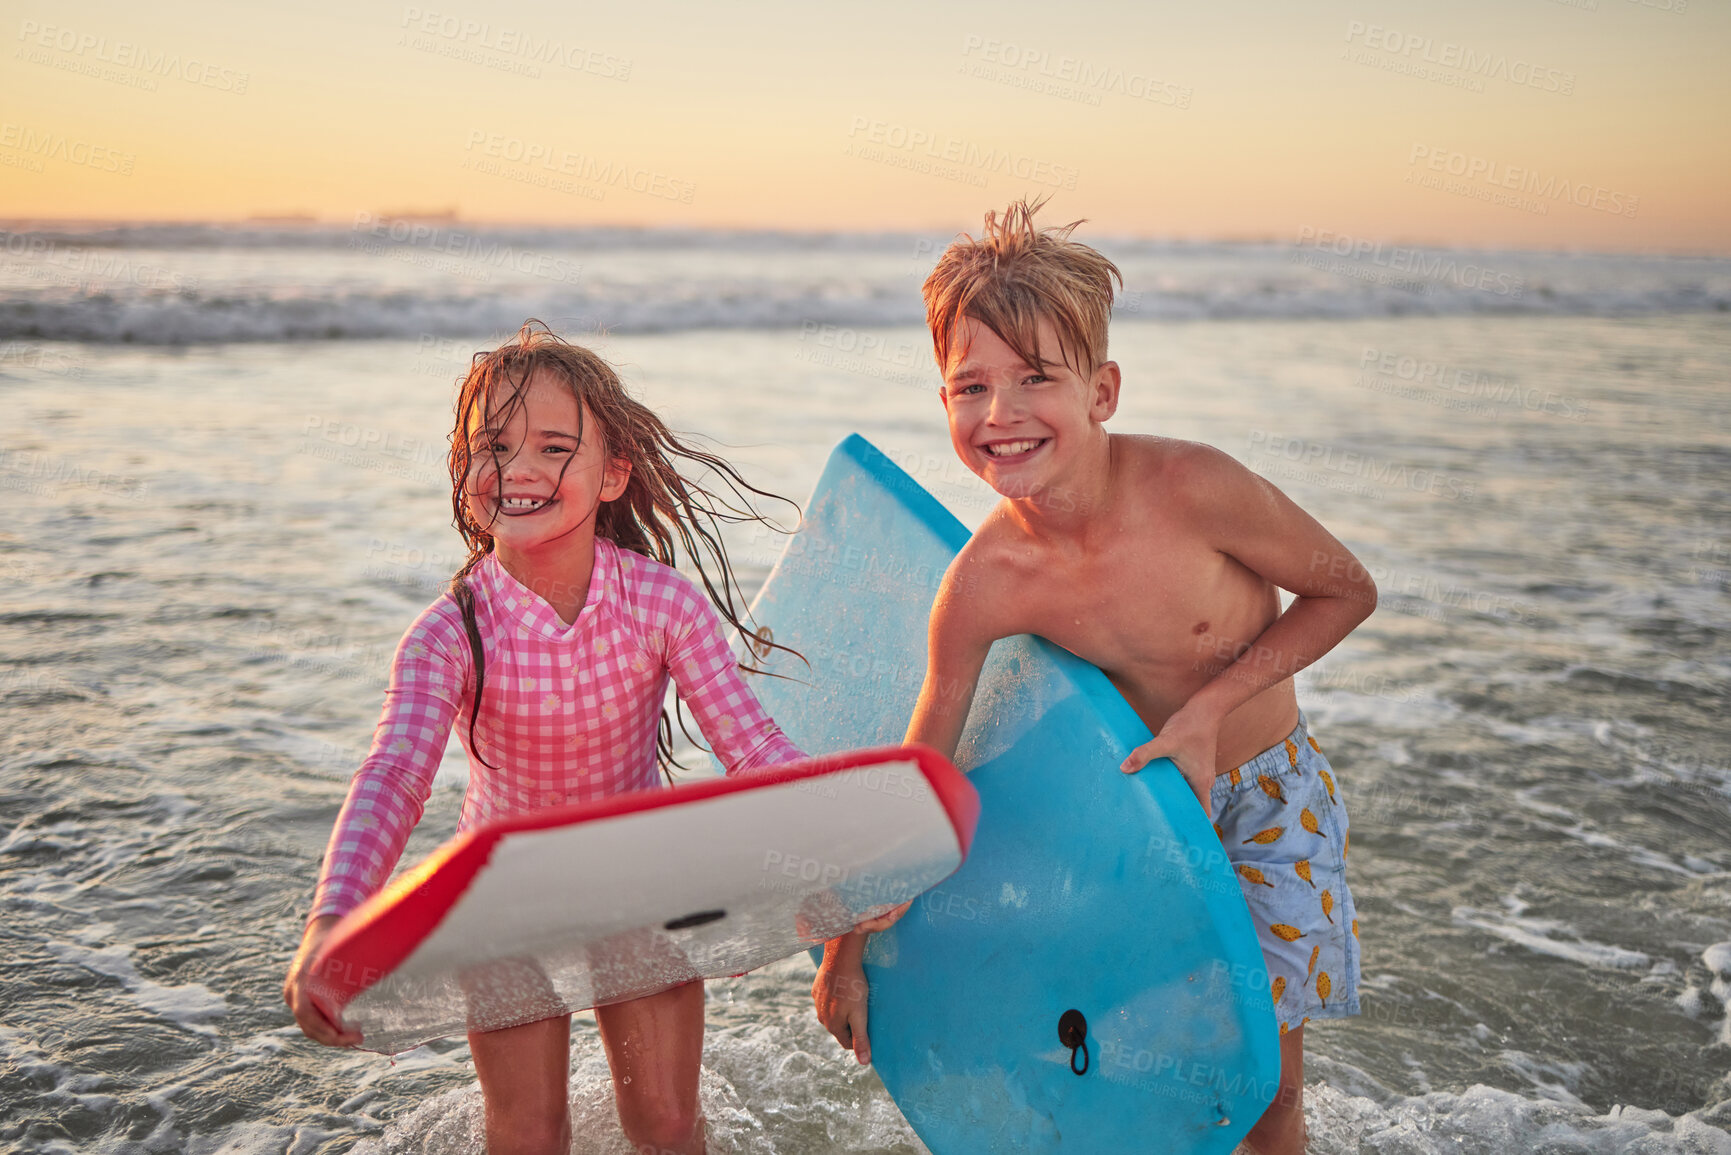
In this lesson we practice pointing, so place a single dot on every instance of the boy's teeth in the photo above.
(1011, 448)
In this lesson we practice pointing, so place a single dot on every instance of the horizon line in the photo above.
(453, 218)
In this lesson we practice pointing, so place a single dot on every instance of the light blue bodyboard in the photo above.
(1086, 889)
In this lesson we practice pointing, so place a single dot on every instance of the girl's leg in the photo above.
(524, 1072)
(655, 1046)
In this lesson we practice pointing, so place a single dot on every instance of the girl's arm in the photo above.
(389, 791)
(742, 734)
(386, 798)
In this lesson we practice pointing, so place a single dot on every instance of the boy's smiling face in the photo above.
(1018, 428)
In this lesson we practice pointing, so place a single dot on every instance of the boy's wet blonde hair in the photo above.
(1016, 275)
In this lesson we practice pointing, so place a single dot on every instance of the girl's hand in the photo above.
(1190, 740)
(295, 989)
(839, 994)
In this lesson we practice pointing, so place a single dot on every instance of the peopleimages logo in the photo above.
(39, 145)
(1472, 62)
(1469, 385)
(593, 170)
(514, 42)
(1428, 266)
(87, 267)
(1493, 176)
(88, 47)
(872, 135)
(375, 234)
(1391, 474)
(1068, 76)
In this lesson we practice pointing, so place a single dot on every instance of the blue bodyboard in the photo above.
(1086, 891)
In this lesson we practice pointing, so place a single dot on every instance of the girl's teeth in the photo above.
(522, 503)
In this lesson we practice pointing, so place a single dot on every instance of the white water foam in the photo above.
(795, 1107)
(1540, 935)
(759, 1091)
(1718, 961)
(1487, 1121)
(195, 284)
(190, 1005)
(783, 1088)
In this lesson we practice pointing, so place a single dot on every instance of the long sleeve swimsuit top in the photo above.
(570, 712)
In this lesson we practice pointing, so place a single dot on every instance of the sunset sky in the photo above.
(1596, 124)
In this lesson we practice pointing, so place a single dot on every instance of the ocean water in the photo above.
(222, 470)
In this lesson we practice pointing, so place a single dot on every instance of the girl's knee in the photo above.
(655, 1128)
(525, 1134)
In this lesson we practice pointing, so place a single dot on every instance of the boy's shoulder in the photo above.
(1175, 470)
(1003, 546)
(1178, 474)
(1164, 484)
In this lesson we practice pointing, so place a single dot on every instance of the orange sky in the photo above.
(1529, 123)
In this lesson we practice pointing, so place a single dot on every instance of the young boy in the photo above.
(1157, 560)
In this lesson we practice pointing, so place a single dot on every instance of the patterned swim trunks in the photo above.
(1282, 821)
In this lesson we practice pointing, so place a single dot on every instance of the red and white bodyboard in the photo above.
(587, 905)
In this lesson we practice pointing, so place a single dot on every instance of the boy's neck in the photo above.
(1068, 506)
(557, 572)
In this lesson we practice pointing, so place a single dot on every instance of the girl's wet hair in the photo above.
(662, 514)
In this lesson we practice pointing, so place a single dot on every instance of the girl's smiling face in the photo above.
(538, 468)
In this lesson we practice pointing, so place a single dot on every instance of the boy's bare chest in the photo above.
(1126, 609)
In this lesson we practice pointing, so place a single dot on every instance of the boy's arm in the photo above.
(957, 640)
(1247, 518)
(957, 643)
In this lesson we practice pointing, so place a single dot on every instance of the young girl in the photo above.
(551, 653)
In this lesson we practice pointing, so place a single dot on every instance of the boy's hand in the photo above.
(1190, 740)
(839, 994)
(883, 921)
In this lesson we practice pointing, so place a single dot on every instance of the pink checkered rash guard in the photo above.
(569, 715)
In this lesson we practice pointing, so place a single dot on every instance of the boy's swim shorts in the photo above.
(1282, 821)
